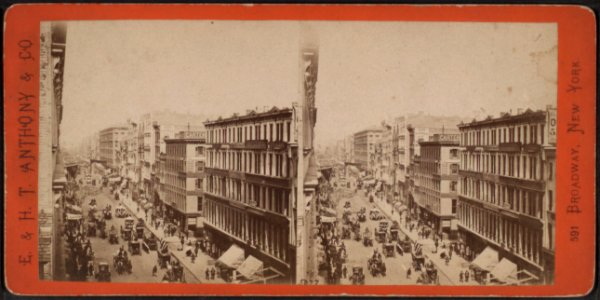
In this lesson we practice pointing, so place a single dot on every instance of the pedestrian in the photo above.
(460, 276)
(408, 272)
(207, 274)
(193, 256)
(344, 271)
(212, 273)
(154, 270)
(466, 275)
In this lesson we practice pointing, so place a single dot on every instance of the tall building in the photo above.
(52, 177)
(365, 144)
(407, 131)
(506, 198)
(153, 128)
(110, 145)
(184, 178)
(436, 182)
(250, 192)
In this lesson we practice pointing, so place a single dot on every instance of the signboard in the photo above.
(551, 123)
(454, 224)
(192, 221)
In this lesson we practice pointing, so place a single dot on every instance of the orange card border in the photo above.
(575, 261)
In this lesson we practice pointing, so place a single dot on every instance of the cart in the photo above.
(103, 273)
(135, 247)
(388, 250)
(357, 277)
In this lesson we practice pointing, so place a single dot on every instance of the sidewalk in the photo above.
(197, 268)
(456, 264)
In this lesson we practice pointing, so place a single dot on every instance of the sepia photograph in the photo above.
(298, 152)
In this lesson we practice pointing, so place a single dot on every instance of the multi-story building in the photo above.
(365, 145)
(111, 139)
(52, 179)
(131, 155)
(506, 198)
(153, 129)
(436, 181)
(250, 192)
(407, 131)
(184, 178)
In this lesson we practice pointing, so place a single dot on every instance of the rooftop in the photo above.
(250, 114)
(505, 117)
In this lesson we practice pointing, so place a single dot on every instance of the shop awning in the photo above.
(487, 259)
(369, 182)
(328, 219)
(251, 268)
(75, 208)
(505, 269)
(233, 257)
(398, 206)
(327, 212)
(73, 216)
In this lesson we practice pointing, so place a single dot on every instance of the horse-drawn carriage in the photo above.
(113, 237)
(367, 238)
(362, 214)
(174, 273)
(120, 212)
(395, 231)
(107, 213)
(139, 229)
(122, 263)
(150, 242)
(126, 234)
(376, 266)
(347, 204)
(103, 273)
(357, 277)
(92, 228)
(101, 223)
(135, 247)
(388, 250)
(418, 260)
(346, 232)
(163, 257)
(429, 276)
(381, 236)
(375, 214)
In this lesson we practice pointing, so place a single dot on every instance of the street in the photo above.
(104, 251)
(358, 255)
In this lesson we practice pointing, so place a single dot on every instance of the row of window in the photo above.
(526, 134)
(522, 166)
(254, 162)
(519, 200)
(273, 199)
(272, 131)
(524, 241)
(270, 238)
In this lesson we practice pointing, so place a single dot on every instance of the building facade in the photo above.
(506, 198)
(436, 182)
(52, 175)
(184, 178)
(250, 193)
(111, 140)
(365, 145)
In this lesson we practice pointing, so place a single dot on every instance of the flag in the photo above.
(163, 246)
(417, 247)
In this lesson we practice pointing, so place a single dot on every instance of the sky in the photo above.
(368, 71)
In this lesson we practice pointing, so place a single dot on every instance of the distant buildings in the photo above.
(506, 198)
(110, 145)
(436, 182)
(365, 143)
